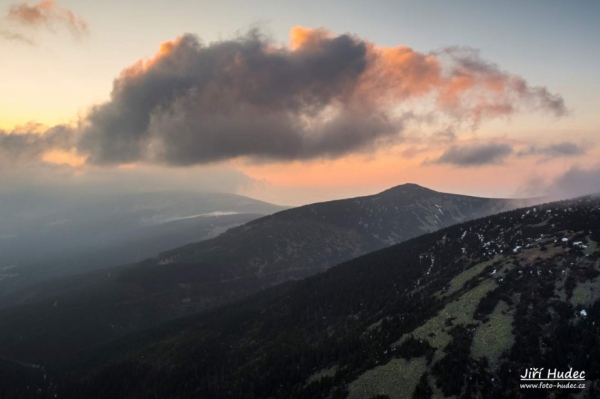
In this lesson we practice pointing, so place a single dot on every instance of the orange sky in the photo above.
(294, 183)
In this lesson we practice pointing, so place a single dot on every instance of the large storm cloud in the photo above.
(321, 96)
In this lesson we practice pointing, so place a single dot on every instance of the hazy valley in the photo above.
(53, 237)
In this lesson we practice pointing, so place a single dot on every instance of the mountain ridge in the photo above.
(289, 245)
(459, 312)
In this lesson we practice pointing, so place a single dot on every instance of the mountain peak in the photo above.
(407, 188)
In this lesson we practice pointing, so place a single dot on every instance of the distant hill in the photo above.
(289, 245)
(461, 312)
(47, 236)
(32, 282)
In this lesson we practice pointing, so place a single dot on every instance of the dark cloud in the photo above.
(17, 146)
(197, 104)
(475, 155)
(47, 13)
(563, 149)
(322, 96)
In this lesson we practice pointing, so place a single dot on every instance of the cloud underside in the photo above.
(320, 96)
(562, 149)
(475, 155)
(493, 153)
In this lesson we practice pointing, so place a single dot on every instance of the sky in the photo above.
(297, 102)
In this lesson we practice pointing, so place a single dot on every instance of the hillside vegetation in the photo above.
(461, 312)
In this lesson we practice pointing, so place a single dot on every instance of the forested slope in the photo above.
(460, 312)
